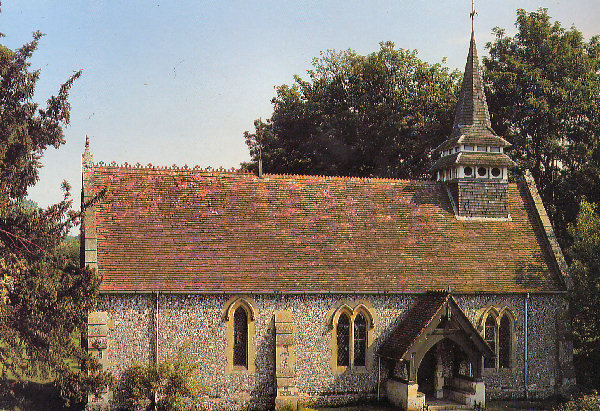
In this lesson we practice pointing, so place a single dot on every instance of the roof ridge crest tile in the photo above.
(343, 178)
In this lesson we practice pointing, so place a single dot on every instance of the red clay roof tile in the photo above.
(187, 230)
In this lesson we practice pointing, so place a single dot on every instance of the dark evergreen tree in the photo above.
(44, 299)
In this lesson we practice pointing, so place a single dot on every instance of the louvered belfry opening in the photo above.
(360, 341)
(343, 341)
(240, 338)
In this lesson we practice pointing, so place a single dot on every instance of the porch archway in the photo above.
(434, 319)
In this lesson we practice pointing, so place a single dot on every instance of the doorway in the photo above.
(439, 368)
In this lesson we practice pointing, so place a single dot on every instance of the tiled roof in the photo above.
(473, 158)
(425, 314)
(195, 231)
(489, 140)
(404, 334)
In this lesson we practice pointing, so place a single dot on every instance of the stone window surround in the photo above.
(352, 310)
(497, 315)
(249, 305)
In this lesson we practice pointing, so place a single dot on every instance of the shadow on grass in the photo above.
(31, 396)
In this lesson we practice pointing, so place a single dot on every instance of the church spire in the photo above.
(472, 161)
(472, 115)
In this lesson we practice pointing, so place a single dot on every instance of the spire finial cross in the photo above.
(473, 14)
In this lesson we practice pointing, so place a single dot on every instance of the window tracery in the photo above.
(351, 336)
(498, 332)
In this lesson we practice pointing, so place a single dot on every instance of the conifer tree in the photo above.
(44, 299)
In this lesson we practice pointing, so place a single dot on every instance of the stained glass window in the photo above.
(504, 342)
(240, 337)
(343, 341)
(490, 338)
(360, 340)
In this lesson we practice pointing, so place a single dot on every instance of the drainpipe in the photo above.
(526, 342)
(156, 340)
(378, 376)
(156, 328)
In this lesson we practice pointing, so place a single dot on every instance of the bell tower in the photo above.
(472, 163)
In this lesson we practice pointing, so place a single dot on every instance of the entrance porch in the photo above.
(437, 356)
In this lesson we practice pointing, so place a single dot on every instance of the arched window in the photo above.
(351, 337)
(360, 340)
(504, 342)
(343, 340)
(240, 337)
(490, 338)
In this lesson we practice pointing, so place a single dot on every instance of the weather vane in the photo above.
(473, 14)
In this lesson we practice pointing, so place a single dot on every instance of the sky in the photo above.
(178, 82)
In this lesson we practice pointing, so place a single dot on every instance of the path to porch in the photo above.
(490, 406)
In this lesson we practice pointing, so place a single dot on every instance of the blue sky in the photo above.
(178, 82)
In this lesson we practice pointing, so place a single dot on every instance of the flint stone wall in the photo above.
(195, 324)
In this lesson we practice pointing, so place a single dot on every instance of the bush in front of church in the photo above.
(589, 402)
(166, 386)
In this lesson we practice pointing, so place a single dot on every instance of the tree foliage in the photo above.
(167, 386)
(585, 270)
(589, 402)
(44, 299)
(375, 115)
(544, 97)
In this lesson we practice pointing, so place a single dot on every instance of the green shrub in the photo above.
(583, 403)
(167, 386)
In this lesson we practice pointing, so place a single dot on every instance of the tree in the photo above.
(544, 94)
(44, 300)
(166, 386)
(375, 115)
(585, 270)
(68, 251)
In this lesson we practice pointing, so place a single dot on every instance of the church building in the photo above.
(290, 289)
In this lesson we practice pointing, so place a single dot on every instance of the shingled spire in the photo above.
(472, 159)
(472, 114)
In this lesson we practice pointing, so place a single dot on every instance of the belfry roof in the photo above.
(474, 158)
(189, 230)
